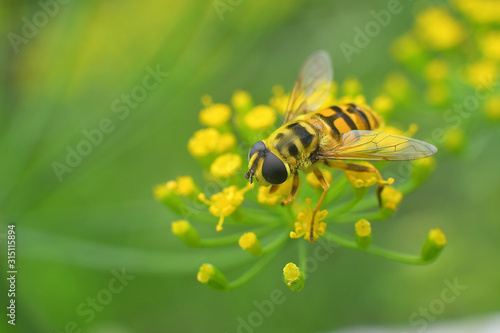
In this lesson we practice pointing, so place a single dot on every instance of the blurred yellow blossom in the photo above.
(406, 48)
(241, 100)
(454, 139)
(480, 11)
(490, 45)
(215, 115)
(351, 86)
(481, 74)
(492, 108)
(438, 29)
(279, 101)
(209, 140)
(226, 165)
(260, 117)
(383, 103)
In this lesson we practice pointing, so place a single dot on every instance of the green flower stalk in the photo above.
(221, 149)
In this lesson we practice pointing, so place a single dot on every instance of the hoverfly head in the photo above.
(265, 166)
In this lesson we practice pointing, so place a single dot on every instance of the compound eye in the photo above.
(258, 146)
(274, 170)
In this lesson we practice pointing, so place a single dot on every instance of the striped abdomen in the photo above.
(338, 120)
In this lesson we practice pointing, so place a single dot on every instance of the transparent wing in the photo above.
(378, 146)
(311, 87)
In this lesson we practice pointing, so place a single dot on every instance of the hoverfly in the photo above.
(332, 137)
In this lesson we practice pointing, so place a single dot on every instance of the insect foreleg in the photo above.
(325, 187)
(295, 187)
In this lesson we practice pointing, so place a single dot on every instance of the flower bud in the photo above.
(433, 245)
(363, 233)
(391, 197)
(212, 277)
(186, 233)
(250, 243)
(293, 277)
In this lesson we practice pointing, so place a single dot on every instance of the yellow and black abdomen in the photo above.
(341, 119)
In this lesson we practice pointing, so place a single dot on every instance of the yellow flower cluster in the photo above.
(480, 11)
(209, 140)
(224, 203)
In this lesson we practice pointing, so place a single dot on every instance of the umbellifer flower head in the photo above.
(256, 212)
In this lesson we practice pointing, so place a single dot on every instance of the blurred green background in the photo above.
(101, 216)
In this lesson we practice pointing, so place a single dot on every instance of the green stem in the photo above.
(360, 194)
(354, 217)
(264, 260)
(375, 250)
(303, 257)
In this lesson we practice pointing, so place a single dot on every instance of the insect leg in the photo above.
(295, 187)
(273, 188)
(361, 168)
(325, 187)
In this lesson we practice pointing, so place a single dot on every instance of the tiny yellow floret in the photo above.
(226, 165)
(212, 277)
(435, 242)
(260, 117)
(293, 277)
(224, 203)
(391, 197)
(363, 228)
(363, 233)
(250, 243)
(186, 233)
(303, 224)
(203, 142)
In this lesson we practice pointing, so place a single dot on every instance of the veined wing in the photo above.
(311, 87)
(378, 146)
